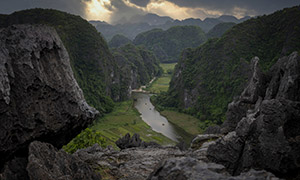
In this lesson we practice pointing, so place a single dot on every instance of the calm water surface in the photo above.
(153, 118)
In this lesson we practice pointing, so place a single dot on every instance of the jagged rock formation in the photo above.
(39, 97)
(134, 141)
(159, 163)
(264, 123)
(199, 140)
(128, 164)
(93, 65)
(251, 94)
(186, 168)
(47, 163)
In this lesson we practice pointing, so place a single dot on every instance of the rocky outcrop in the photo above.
(47, 163)
(134, 141)
(265, 123)
(199, 140)
(39, 97)
(186, 168)
(249, 97)
(160, 163)
(127, 164)
(15, 169)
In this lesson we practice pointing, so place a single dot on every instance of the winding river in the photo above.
(157, 122)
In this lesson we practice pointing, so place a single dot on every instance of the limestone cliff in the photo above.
(263, 123)
(39, 97)
(137, 66)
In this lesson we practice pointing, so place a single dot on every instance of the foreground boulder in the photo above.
(266, 123)
(165, 163)
(39, 97)
(186, 168)
(47, 163)
(128, 164)
(134, 141)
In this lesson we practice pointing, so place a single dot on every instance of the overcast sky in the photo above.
(114, 10)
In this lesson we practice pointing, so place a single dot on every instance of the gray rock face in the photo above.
(201, 139)
(251, 94)
(128, 164)
(159, 163)
(268, 135)
(186, 168)
(134, 141)
(39, 97)
(45, 162)
(15, 169)
(213, 130)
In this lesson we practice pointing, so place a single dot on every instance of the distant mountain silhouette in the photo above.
(151, 19)
(142, 23)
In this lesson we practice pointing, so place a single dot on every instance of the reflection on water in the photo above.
(153, 118)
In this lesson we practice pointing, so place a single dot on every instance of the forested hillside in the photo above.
(118, 41)
(139, 24)
(207, 78)
(219, 30)
(167, 45)
(137, 66)
(89, 54)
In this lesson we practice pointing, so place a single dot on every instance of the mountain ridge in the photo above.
(131, 30)
(208, 77)
(167, 45)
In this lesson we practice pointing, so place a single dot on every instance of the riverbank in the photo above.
(187, 122)
(126, 119)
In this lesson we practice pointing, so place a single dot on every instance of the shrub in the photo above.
(85, 139)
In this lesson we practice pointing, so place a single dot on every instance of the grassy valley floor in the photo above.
(126, 119)
(161, 84)
(186, 122)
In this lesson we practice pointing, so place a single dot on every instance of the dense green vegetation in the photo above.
(126, 119)
(85, 139)
(137, 65)
(90, 57)
(168, 68)
(168, 45)
(161, 84)
(209, 76)
(219, 29)
(118, 41)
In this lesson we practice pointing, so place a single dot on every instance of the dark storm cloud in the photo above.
(142, 3)
(226, 6)
(72, 6)
(122, 9)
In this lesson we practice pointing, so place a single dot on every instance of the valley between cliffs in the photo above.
(53, 90)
